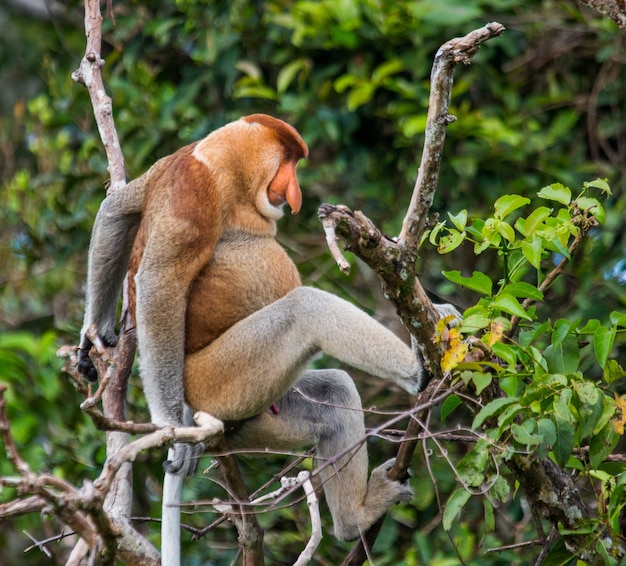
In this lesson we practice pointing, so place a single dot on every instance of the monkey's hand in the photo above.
(85, 365)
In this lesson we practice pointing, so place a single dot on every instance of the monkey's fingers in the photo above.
(85, 365)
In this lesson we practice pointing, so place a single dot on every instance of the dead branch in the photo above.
(394, 260)
(306, 555)
(459, 50)
(114, 395)
(84, 509)
(614, 9)
(89, 74)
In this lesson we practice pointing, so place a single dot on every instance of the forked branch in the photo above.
(394, 259)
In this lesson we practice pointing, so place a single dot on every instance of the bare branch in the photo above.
(614, 9)
(304, 478)
(455, 51)
(394, 261)
(89, 74)
(130, 544)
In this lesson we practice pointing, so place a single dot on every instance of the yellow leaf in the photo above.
(454, 355)
(619, 422)
(495, 333)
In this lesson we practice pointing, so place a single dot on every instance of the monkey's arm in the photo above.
(181, 242)
(111, 244)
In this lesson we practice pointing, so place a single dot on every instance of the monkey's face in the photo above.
(283, 188)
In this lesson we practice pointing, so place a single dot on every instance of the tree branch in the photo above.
(614, 9)
(394, 260)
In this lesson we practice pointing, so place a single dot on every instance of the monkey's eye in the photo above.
(288, 156)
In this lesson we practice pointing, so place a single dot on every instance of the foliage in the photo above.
(556, 381)
(543, 103)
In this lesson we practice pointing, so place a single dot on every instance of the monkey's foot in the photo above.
(183, 458)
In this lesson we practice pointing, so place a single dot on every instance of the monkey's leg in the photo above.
(324, 409)
(253, 363)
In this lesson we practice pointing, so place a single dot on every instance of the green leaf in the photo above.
(608, 412)
(254, 91)
(508, 203)
(450, 242)
(563, 358)
(432, 238)
(501, 489)
(617, 502)
(602, 343)
(475, 322)
(489, 520)
(387, 69)
(460, 220)
(562, 329)
(481, 381)
(509, 304)
(524, 436)
(344, 82)
(564, 444)
(505, 230)
(613, 371)
(618, 319)
(524, 290)
(506, 417)
(557, 192)
(602, 444)
(562, 406)
(588, 394)
(593, 206)
(492, 409)
(453, 507)
(591, 410)
(288, 73)
(547, 429)
(601, 184)
(451, 403)
(528, 336)
(478, 282)
(506, 352)
(590, 327)
(535, 220)
(533, 251)
(360, 95)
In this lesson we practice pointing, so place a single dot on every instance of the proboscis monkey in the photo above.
(223, 322)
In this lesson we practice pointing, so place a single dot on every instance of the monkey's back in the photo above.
(246, 273)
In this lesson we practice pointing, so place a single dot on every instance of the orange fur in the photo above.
(224, 325)
(236, 265)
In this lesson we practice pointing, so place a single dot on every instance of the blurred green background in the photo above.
(545, 102)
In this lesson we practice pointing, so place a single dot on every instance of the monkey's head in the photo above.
(254, 160)
(282, 147)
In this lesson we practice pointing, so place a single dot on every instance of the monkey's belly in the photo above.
(245, 274)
